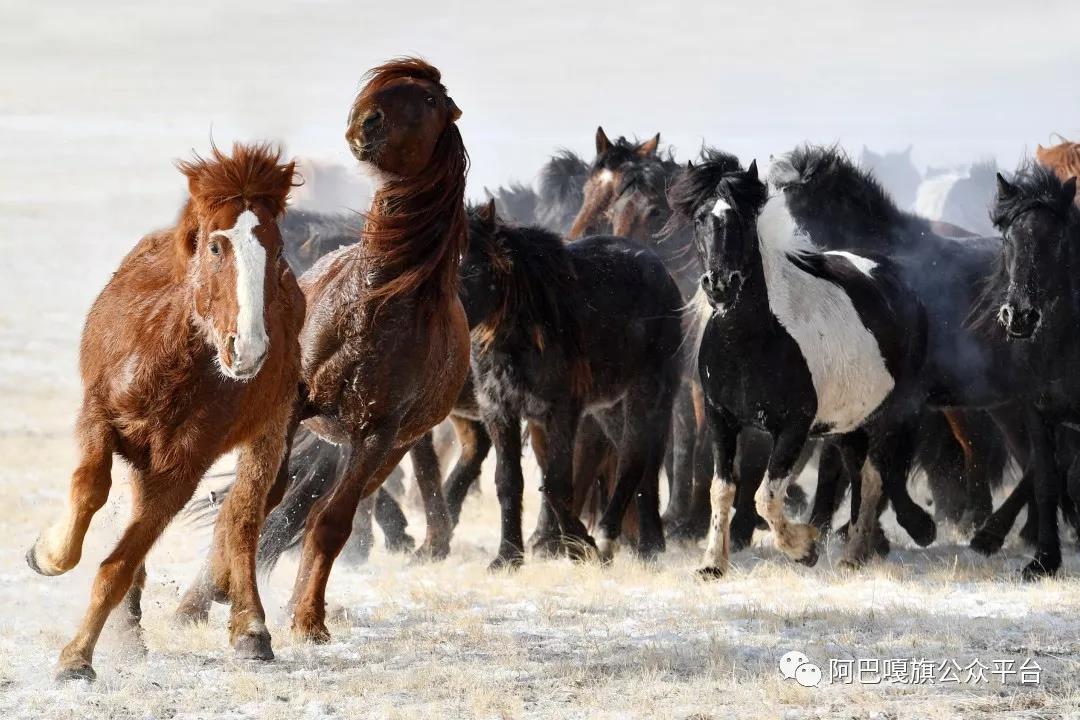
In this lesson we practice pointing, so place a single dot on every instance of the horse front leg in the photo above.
(1047, 487)
(59, 548)
(505, 432)
(725, 437)
(157, 499)
(798, 541)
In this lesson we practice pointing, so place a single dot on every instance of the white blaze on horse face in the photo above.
(721, 207)
(605, 177)
(864, 265)
(844, 359)
(250, 260)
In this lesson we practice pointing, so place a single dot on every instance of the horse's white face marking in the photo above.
(250, 260)
(864, 265)
(843, 356)
(605, 177)
(721, 207)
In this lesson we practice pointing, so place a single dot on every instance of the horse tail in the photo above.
(315, 466)
(947, 450)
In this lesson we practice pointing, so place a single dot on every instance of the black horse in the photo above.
(797, 342)
(561, 330)
(1032, 298)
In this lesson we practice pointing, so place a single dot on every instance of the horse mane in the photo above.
(252, 174)
(515, 201)
(1033, 186)
(538, 288)
(695, 184)
(415, 231)
(563, 176)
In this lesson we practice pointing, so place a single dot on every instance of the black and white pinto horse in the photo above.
(798, 343)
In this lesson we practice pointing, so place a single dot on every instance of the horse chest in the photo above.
(844, 359)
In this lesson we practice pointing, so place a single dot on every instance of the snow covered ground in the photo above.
(94, 108)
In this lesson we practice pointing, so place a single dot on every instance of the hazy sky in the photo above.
(956, 79)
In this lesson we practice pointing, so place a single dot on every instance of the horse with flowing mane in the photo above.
(385, 344)
(1063, 159)
(189, 352)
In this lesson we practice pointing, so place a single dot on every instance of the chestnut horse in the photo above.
(1063, 159)
(385, 344)
(189, 352)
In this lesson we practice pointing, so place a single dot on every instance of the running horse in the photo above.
(385, 344)
(190, 351)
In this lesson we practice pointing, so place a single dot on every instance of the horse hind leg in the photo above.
(59, 548)
(436, 545)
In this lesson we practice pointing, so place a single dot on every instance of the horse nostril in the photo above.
(1033, 317)
(1005, 314)
(230, 348)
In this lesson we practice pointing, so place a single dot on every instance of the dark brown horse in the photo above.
(385, 345)
(189, 352)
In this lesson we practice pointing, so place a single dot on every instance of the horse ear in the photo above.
(689, 164)
(1004, 189)
(648, 148)
(455, 111)
(487, 214)
(752, 170)
(602, 142)
(1068, 191)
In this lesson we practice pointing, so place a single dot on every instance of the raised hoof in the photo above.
(505, 563)
(76, 672)
(32, 561)
(314, 633)
(986, 542)
(257, 647)
(403, 543)
(1040, 568)
(810, 558)
(710, 573)
(922, 529)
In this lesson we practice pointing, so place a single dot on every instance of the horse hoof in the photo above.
(1039, 568)
(403, 543)
(505, 563)
(810, 558)
(849, 564)
(314, 633)
(985, 542)
(257, 646)
(650, 551)
(710, 573)
(191, 614)
(546, 545)
(430, 552)
(32, 561)
(922, 529)
(76, 672)
(882, 547)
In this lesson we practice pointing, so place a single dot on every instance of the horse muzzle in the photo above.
(243, 361)
(1019, 321)
(722, 288)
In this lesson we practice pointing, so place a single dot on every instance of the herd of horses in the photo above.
(700, 321)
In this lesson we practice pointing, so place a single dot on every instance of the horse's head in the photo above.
(896, 171)
(721, 202)
(606, 179)
(230, 249)
(484, 269)
(400, 116)
(1040, 226)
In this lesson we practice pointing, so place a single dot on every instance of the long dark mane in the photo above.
(562, 180)
(842, 186)
(1033, 186)
(537, 289)
(695, 184)
(415, 231)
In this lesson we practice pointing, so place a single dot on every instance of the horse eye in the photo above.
(430, 100)
(215, 248)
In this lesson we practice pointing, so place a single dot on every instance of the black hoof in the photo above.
(742, 534)
(881, 544)
(403, 543)
(505, 563)
(31, 560)
(254, 647)
(81, 672)
(1040, 568)
(710, 573)
(546, 545)
(986, 542)
(922, 528)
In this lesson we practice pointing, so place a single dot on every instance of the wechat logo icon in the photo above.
(796, 666)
